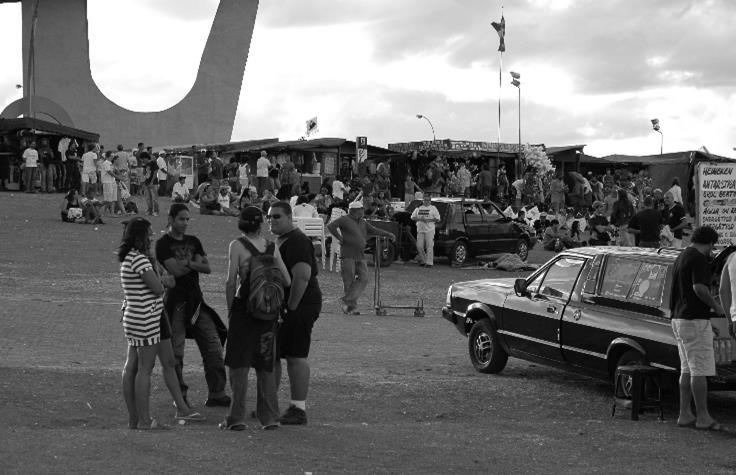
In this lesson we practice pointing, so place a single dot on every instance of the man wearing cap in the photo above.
(180, 193)
(352, 231)
(426, 215)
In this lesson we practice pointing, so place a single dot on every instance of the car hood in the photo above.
(485, 290)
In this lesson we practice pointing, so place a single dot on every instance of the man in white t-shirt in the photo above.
(180, 193)
(89, 168)
(162, 173)
(303, 209)
(426, 215)
(262, 166)
(30, 158)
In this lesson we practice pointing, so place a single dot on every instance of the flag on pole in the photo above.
(501, 30)
(312, 126)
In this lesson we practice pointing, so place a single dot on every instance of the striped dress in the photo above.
(141, 308)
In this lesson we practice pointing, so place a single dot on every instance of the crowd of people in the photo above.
(618, 207)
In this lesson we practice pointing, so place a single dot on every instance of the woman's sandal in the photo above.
(234, 426)
(154, 425)
(192, 417)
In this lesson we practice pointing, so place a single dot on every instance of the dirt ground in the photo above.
(391, 394)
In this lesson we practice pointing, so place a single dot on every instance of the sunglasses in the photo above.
(273, 216)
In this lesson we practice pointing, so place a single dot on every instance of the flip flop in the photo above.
(714, 427)
(687, 424)
(193, 417)
(238, 426)
(155, 425)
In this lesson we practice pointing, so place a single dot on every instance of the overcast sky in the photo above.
(593, 72)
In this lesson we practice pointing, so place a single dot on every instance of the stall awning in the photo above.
(327, 144)
(42, 126)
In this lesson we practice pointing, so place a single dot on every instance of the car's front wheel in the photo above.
(459, 253)
(485, 350)
(522, 249)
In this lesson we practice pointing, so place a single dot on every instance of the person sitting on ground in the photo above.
(91, 208)
(209, 202)
(180, 193)
(71, 208)
(556, 238)
(224, 198)
(267, 200)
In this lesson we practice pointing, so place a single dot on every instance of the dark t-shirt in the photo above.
(151, 173)
(186, 248)
(673, 217)
(295, 247)
(217, 167)
(691, 267)
(599, 220)
(647, 221)
(46, 156)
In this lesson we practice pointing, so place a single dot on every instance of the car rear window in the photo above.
(634, 281)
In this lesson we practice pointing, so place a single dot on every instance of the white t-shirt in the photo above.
(89, 163)
(304, 210)
(731, 268)
(338, 188)
(243, 171)
(262, 167)
(426, 212)
(106, 167)
(223, 200)
(676, 193)
(161, 173)
(180, 189)
(31, 157)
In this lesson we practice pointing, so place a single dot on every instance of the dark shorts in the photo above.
(165, 326)
(295, 333)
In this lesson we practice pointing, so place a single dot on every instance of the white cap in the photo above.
(355, 205)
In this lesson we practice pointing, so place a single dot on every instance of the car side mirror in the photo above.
(520, 287)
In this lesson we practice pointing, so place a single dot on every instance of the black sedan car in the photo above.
(588, 309)
(472, 227)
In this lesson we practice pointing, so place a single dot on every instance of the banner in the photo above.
(715, 198)
(361, 149)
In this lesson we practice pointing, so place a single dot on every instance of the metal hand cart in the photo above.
(377, 304)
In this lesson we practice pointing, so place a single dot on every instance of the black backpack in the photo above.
(266, 296)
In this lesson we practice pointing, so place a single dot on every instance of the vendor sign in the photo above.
(715, 198)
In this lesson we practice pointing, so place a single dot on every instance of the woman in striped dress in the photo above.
(146, 328)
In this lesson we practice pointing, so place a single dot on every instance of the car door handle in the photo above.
(551, 309)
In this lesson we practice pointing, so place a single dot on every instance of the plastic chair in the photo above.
(313, 228)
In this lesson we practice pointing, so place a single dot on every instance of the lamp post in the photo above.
(420, 116)
(516, 82)
(655, 126)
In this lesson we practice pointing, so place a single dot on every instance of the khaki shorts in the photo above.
(89, 177)
(695, 345)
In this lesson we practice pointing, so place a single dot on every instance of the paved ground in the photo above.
(389, 394)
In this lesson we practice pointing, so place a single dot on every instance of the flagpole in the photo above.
(498, 146)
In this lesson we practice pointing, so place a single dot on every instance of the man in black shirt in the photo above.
(303, 305)
(183, 257)
(690, 306)
(646, 224)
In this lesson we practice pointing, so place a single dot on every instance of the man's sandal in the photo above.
(154, 425)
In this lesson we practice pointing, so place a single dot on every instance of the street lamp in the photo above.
(420, 116)
(655, 126)
(516, 82)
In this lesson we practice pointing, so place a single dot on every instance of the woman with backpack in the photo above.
(254, 291)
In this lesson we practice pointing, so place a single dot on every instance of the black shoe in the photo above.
(223, 401)
(294, 417)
